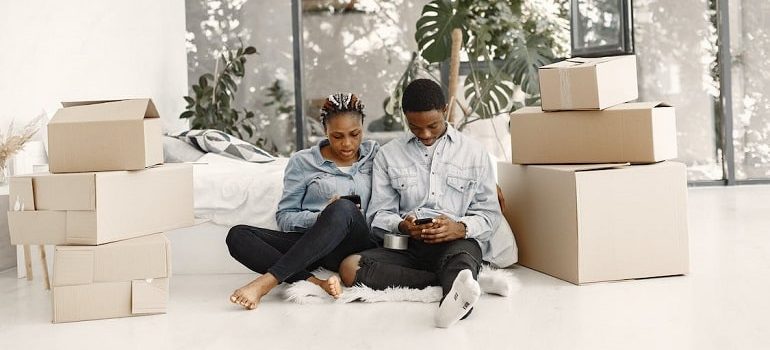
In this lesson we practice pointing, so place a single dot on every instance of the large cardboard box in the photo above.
(120, 279)
(640, 132)
(99, 207)
(591, 223)
(104, 135)
(588, 83)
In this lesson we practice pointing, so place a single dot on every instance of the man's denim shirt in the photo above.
(310, 181)
(460, 184)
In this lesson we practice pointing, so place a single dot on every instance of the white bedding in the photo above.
(230, 191)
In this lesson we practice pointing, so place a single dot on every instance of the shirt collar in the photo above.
(450, 133)
(363, 150)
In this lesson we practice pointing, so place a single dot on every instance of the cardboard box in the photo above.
(126, 278)
(588, 83)
(640, 132)
(591, 223)
(100, 207)
(105, 135)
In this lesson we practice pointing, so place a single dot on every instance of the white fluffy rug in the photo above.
(304, 292)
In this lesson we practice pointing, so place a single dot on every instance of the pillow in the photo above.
(178, 151)
(216, 141)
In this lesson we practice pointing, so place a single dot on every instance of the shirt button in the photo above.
(433, 173)
(426, 154)
(433, 193)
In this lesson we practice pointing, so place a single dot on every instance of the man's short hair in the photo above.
(423, 95)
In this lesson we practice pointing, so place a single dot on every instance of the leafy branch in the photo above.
(211, 105)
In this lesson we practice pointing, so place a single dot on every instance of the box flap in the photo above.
(20, 190)
(149, 296)
(591, 61)
(37, 227)
(583, 167)
(640, 105)
(529, 110)
(73, 265)
(91, 301)
(85, 103)
(74, 191)
(579, 62)
(96, 111)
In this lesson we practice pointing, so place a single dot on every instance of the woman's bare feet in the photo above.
(249, 295)
(333, 286)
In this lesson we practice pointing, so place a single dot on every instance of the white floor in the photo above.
(723, 304)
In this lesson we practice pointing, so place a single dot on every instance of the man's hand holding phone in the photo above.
(443, 229)
(414, 227)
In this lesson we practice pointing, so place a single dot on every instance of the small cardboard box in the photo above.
(104, 135)
(639, 132)
(591, 223)
(100, 207)
(588, 83)
(126, 278)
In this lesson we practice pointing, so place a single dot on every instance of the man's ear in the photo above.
(444, 112)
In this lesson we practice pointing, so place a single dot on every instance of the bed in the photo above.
(227, 192)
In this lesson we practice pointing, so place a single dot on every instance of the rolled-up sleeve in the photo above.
(383, 213)
(290, 215)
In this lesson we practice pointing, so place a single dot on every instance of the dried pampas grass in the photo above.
(12, 141)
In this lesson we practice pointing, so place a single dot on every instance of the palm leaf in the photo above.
(527, 55)
(489, 91)
(434, 28)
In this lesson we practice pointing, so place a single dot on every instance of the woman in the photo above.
(319, 228)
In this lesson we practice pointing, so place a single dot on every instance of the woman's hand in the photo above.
(444, 230)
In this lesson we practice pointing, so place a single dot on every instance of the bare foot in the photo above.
(249, 295)
(333, 286)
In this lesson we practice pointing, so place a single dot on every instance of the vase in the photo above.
(3, 173)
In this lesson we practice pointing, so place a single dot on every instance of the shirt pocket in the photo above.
(460, 189)
(320, 189)
(403, 179)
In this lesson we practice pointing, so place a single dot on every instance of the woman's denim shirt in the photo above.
(310, 181)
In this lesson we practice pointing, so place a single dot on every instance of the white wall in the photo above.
(84, 50)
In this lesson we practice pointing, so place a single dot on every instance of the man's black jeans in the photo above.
(339, 231)
(420, 266)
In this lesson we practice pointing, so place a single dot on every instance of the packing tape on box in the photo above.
(564, 87)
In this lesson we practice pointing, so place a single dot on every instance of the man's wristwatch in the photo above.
(465, 227)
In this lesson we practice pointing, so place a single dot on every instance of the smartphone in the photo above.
(423, 221)
(356, 199)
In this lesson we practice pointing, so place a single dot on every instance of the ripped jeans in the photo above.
(420, 266)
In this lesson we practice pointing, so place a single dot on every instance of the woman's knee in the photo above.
(234, 235)
(342, 207)
(348, 268)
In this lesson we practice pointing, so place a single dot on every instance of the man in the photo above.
(438, 173)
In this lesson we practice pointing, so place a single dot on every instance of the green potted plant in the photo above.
(211, 106)
(505, 43)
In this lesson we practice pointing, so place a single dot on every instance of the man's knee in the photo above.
(463, 255)
(348, 268)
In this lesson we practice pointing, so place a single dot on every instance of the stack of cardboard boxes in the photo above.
(105, 205)
(591, 195)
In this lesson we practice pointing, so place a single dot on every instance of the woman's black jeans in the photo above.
(339, 231)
